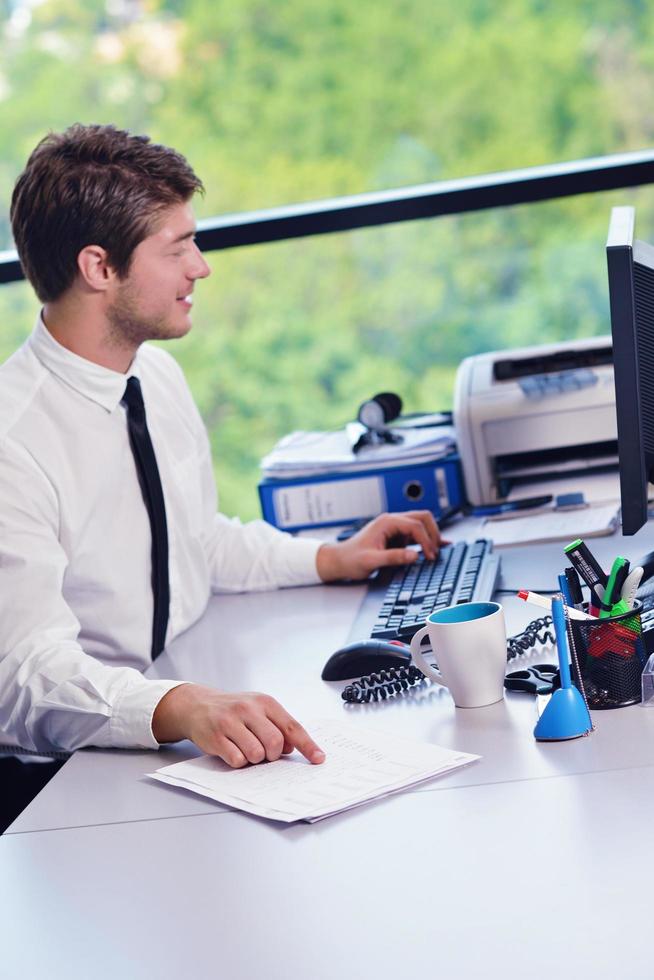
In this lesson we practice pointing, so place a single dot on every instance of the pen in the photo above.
(488, 510)
(585, 564)
(561, 633)
(612, 604)
(596, 596)
(565, 589)
(545, 603)
(588, 569)
(574, 587)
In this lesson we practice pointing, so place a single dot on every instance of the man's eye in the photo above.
(184, 247)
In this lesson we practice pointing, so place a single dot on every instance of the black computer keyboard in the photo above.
(404, 597)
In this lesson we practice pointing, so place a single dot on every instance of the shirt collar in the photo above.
(100, 384)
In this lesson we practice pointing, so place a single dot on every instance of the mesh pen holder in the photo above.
(611, 656)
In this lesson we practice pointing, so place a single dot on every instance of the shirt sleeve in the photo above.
(245, 557)
(256, 556)
(52, 694)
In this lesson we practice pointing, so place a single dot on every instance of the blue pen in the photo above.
(566, 714)
(558, 619)
(565, 589)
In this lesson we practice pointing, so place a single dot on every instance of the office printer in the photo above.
(534, 413)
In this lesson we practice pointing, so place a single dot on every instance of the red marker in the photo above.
(541, 600)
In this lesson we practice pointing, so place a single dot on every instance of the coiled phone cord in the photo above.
(539, 631)
(382, 685)
(395, 680)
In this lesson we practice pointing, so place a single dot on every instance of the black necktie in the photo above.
(148, 474)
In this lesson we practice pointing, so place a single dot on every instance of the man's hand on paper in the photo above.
(369, 549)
(240, 728)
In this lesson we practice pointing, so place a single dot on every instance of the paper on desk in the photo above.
(597, 488)
(360, 766)
(554, 525)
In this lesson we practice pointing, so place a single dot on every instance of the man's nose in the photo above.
(201, 268)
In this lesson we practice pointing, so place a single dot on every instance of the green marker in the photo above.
(612, 604)
(585, 564)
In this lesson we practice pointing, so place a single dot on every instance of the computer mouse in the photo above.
(365, 657)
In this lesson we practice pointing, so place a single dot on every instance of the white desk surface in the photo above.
(529, 863)
(538, 879)
(278, 643)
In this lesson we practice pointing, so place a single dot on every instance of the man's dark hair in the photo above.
(92, 185)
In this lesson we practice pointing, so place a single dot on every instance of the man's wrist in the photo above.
(170, 717)
(329, 562)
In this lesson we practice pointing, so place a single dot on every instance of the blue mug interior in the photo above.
(465, 613)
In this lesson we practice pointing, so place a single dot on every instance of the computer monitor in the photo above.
(631, 291)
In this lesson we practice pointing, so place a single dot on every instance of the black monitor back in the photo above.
(631, 291)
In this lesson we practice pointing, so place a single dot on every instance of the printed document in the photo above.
(360, 766)
(553, 525)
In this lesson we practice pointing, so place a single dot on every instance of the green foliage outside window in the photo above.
(275, 103)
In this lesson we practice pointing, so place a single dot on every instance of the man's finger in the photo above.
(245, 740)
(295, 735)
(393, 556)
(415, 529)
(430, 524)
(269, 736)
(229, 752)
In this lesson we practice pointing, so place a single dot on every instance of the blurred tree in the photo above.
(277, 103)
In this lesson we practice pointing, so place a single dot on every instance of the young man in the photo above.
(110, 541)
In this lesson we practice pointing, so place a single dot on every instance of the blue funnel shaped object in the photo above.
(566, 714)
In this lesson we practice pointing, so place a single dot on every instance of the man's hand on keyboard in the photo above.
(375, 545)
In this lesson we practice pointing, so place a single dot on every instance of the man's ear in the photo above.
(94, 268)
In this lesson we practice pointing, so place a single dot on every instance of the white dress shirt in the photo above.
(75, 545)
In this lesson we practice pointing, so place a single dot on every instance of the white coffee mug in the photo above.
(468, 644)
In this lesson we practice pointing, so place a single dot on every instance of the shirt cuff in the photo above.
(299, 564)
(131, 721)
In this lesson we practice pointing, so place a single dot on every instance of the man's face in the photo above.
(154, 301)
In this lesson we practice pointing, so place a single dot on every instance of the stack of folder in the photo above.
(314, 479)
